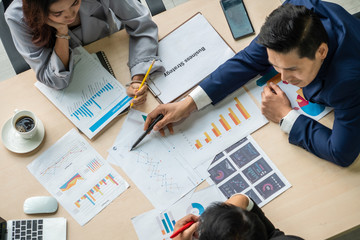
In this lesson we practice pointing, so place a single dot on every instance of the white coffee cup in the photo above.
(24, 123)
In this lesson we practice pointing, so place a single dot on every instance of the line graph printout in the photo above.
(207, 132)
(93, 98)
(295, 95)
(245, 168)
(159, 224)
(156, 168)
(64, 171)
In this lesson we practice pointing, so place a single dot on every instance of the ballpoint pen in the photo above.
(183, 228)
(157, 119)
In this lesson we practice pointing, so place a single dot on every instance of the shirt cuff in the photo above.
(289, 120)
(200, 97)
(251, 203)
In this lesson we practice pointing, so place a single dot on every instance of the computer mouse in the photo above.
(40, 204)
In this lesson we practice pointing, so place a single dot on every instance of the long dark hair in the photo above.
(36, 13)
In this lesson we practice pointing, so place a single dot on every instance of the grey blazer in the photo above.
(99, 18)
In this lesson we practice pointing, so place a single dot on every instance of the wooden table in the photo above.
(322, 202)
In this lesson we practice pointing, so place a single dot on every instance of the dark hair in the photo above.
(226, 221)
(36, 13)
(292, 27)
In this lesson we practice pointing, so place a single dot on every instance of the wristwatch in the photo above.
(281, 121)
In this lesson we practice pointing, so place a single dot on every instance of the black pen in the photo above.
(157, 119)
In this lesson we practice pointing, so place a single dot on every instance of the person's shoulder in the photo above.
(14, 12)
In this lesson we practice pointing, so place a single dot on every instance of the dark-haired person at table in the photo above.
(45, 31)
(239, 218)
(314, 45)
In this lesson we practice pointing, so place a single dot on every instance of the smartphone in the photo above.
(237, 18)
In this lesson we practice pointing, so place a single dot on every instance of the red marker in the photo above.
(183, 228)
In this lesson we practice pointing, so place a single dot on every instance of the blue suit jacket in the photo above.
(337, 85)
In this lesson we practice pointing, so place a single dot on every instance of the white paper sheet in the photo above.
(189, 53)
(156, 224)
(196, 137)
(78, 177)
(245, 168)
(93, 98)
(295, 95)
(154, 166)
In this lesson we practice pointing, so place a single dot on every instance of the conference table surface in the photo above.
(323, 200)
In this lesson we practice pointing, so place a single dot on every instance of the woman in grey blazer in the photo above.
(46, 31)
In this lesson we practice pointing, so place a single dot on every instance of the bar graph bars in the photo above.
(224, 123)
(84, 110)
(90, 195)
(241, 109)
(166, 223)
(94, 165)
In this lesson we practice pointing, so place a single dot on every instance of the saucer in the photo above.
(15, 143)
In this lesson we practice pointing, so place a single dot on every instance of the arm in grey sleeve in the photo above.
(47, 65)
(143, 33)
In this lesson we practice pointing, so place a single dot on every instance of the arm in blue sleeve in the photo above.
(341, 145)
(237, 71)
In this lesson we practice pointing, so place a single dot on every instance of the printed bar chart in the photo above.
(96, 189)
(224, 123)
(84, 109)
(94, 165)
(166, 223)
(215, 130)
(241, 108)
(233, 117)
(207, 139)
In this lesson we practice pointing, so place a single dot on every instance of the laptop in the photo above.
(39, 229)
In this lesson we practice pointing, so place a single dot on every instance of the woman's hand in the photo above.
(61, 29)
(133, 90)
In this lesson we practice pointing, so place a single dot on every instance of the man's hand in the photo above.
(173, 112)
(133, 90)
(187, 234)
(274, 103)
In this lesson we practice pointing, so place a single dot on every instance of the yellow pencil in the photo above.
(144, 79)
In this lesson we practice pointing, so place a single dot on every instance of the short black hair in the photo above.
(226, 221)
(291, 27)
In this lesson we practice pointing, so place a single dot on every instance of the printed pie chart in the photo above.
(313, 109)
(220, 175)
(195, 208)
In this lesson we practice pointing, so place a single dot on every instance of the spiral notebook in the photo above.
(104, 61)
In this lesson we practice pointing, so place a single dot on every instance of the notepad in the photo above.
(189, 54)
(93, 98)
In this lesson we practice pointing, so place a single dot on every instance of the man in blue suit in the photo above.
(314, 45)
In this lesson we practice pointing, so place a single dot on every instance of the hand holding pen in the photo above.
(143, 81)
(186, 228)
(157, 119)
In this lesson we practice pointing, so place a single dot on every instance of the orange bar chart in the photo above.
(224, 123)
(207, 139)
(241, 108)
(198, 144)
(215, 130)
(233, 117)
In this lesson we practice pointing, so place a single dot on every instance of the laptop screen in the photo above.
(2, 229)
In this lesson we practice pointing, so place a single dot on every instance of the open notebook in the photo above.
(93, 98)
